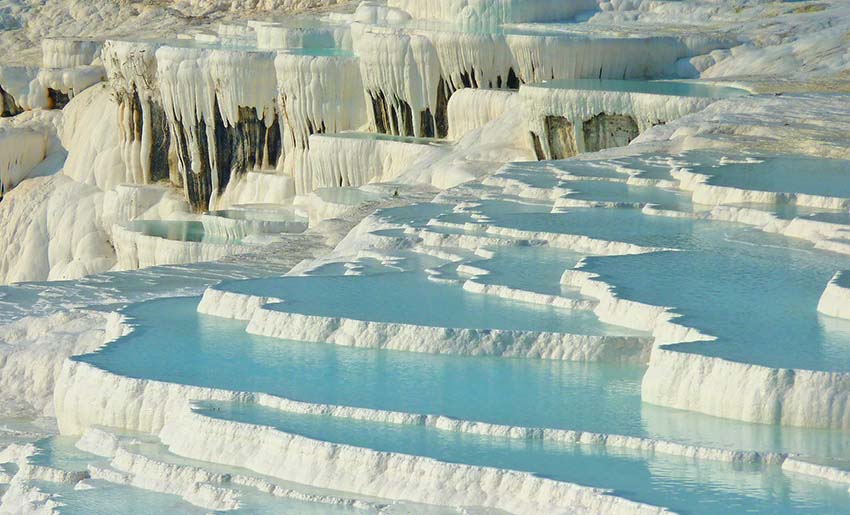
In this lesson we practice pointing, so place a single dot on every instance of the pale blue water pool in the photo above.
(414, 215)
(410, 298)
(760, 313)
(627, 225)
(510, 267)
(259, 213)
(320, 51)
(791, 211)
(109, 498)
(478, 213)
(60, 452)
(830, 217)
(217, 353)
(369, 265)
(530, 176)
(678, 483)
(653, 87)
(784, 174)
(112, 499)
(177, 230)
(173, 343)
(419, 214)
(726, 283)
(346, 196)
(239, 222)
(620, 192)
(577, 168)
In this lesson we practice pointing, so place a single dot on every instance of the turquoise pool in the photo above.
(386, 298)
(784, 174)
(680, 484)
(653, 87)
(107, 498)
(173, 343)
(729, 296)
(177, 230)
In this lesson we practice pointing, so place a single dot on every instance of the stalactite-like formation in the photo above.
(8, 105)
(608, 131)
(562, 141)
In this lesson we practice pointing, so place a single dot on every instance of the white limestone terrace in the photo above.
(177, 429)
(142, 244)
(310, 112)
(292, 95)
(291, 32)
(352, 159)
(834, 301)
(241, 221)
(68, 67)
(484, 15)
(657, 320)
(411, 69)
(285, 108)
(22, 149)
(25, 26)
(785, 55)
(164, 409)
(719, 187)
(706, 375)
(567, 117)
(176, 432)
(70, 64)
(156, 476)
(307, 113)
(46, 322)
(50, 473)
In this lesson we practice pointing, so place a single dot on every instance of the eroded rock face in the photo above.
(160, 165)
(608, 131)
(393, 115)
(436, 125)
(144, 128)
(538, 147)
(209, 156)
(8, 105)
(57, 99)
(562, 141)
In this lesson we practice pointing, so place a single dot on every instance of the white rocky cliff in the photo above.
(424, 256)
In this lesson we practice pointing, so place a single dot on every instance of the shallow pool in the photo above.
(653, 87)
(240, 222)
(601, 191)
(410, 298)
(105, 498)
(783, 174)
(177, 230)
(510, 267)
(346, 196)
(173, 343)
(726, 282)
(681, 484)
(61, 453)
(218, 353)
